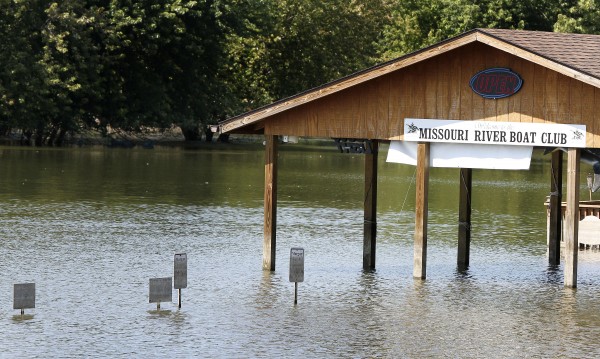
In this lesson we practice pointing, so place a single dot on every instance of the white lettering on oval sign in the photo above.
(297, 265)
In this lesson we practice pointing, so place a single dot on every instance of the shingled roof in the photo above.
(573, 55)
(578, 51)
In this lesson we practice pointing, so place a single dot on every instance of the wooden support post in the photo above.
(555, 216)
(464, 218)
(421, 209)
(370, 208)
(572, 218)
(270, 224)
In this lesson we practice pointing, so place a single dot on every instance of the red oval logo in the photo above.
(496, 83)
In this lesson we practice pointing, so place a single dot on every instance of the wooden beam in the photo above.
(572, 218)
(464, 218)
(555, 209)
(370, 208)
(421, 209)
(270, 223)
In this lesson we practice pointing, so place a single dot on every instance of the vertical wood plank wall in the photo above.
(439, 88)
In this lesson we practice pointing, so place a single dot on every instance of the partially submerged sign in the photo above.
(297, 265)
(495, 133)
(161, 290)
(180, 271)
(496, 83)
(24, 296)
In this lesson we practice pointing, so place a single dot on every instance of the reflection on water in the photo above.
(91, 226)
(22, 318)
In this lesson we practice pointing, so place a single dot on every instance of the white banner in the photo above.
(495, 133)
(464, 155)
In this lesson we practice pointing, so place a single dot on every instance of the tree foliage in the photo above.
(419, 23)
(119, 63)
(74, 65)
(583, 17)
(287, 46)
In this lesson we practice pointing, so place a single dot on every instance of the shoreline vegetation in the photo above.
(146, 138)
(149, 138)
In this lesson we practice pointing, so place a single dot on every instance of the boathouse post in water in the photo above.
(499, 79)
(370, 207)
(464, 218)
(421, 211)
(555, 208)
(572, 218)
(270, 222)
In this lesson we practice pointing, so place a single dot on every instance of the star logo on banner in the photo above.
(412, 128)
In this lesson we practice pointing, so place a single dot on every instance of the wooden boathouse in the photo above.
(559, 84)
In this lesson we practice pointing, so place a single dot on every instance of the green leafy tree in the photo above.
(583, 17)
(76, 65)
(419, 23)
(280, 48)
(25, 97)
(167, 56)
(96, 63)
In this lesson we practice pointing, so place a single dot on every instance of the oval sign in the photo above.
(496, 83)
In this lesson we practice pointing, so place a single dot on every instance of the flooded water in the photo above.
(91, 226)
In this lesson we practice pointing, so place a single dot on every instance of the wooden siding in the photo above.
(439, 88)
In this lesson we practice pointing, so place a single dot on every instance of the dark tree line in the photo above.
(80, 65)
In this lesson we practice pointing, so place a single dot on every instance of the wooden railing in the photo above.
(586, 208)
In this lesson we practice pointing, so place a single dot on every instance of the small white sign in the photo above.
(495, 133)
(161, 290)
(180, 271)
(297, 265)
(24, 296)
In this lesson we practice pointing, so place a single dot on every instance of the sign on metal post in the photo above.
(297, 265)
(296, 269)
(24, 296)
(180, 271)
(161, 290)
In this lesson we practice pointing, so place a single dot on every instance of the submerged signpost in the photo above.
(161, 290)
(180, 273)
(24, 296)
(296, 269)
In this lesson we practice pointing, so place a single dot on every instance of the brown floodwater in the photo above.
(91, 226)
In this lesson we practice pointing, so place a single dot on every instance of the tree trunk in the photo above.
(60, 139)
(209, 134)
(39, 138)
(224, 138)
(191, 133)
(51, 137)
(26, 138)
